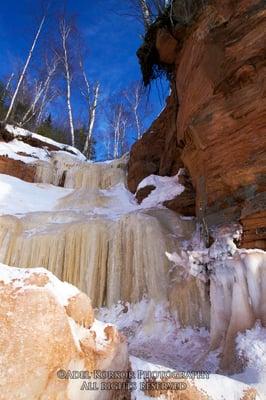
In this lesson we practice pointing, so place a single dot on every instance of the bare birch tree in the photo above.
(50, 93)
(118, 121)
(47, 98)
(91, 95)
(65, 29)
(146, 13)
(147, 10)
(134, 97)
(41, 94)
(20, 80)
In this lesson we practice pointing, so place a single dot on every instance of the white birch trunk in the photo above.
(24, 70)
(92, 116)
(145, 13)
(65, 32)
(137, 122)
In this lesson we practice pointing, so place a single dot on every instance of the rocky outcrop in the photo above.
(157, 151)
(142, 193)
(22, 152)
(222, 109)
(254, 229)
(185, 202)
(17, 168)
(217, 124)
(10, 132)
(47, 332)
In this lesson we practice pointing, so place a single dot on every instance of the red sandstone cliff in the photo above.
(214, 121)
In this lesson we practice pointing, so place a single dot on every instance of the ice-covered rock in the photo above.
(47, 332)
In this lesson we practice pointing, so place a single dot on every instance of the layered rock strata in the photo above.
(214, 121)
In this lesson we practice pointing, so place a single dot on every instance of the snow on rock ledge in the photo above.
(41, 141)
(158, 189)
(21, 152)
(35, 158)
(52, 328)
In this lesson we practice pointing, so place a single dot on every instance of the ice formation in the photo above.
(145, 264)
(238, 298)
(159, 347)
(93, 234)
(68, 171)
(237, 280)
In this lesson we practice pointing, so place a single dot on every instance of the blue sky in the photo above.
(112, 40)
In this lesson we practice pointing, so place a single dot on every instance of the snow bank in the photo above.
(219, 387)
(157, 346)
(19, 197)
(154, 335)
(251, 347)
(18, 150)
(212, 386)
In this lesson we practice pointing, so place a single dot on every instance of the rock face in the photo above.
(47, 328)
(216, 125)
(156, 152)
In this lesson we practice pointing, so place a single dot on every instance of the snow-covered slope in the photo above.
(18, 197)
(160, 349)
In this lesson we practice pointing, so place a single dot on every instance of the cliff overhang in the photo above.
(214, 121)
